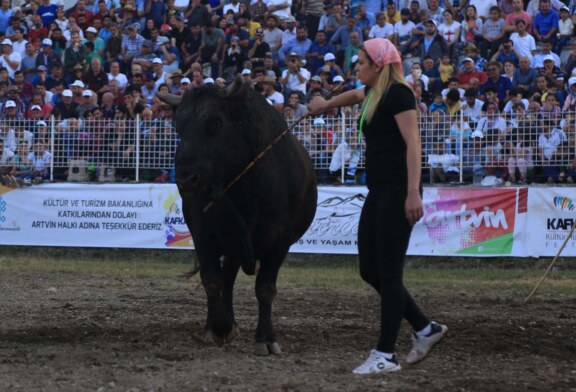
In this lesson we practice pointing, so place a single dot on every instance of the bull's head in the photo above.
(214, 127)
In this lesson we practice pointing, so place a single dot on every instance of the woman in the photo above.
(394, 202)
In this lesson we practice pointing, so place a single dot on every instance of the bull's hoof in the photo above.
(265, 349)
(220, 340)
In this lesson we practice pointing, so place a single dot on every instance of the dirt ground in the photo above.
(76, 332)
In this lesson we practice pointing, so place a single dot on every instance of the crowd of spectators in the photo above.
(496, 76)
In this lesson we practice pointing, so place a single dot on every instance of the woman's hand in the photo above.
(316, 106)
(413, 207)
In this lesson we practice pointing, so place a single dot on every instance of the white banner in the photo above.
(457, 221)
(552, 214)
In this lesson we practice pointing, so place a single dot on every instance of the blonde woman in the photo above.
(394, 202)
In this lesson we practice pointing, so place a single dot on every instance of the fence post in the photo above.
(342, 150)
(138, 148)
(461, 141)
(52, 131)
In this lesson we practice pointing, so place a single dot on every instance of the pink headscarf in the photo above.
(383, 52)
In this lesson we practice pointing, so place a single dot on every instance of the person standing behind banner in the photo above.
(394, 202)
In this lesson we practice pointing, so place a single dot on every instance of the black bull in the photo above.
(259, 217)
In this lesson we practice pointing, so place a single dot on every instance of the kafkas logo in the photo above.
(175, 228)
(563, 204)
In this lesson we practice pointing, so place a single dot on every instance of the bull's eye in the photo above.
(214, 126)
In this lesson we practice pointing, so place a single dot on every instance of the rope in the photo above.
(255, 160)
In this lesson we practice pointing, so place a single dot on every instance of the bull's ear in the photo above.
(236, 87)
(171, 99)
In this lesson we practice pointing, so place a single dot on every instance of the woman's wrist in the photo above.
(415, 191)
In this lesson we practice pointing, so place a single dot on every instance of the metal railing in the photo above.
(533, 147)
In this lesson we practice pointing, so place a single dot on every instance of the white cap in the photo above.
(571, 81)
(91, 30)
(548, 57)
(42, 123)
(47, 42)
(7, 42)
(337, 78)
(78, 83)
(157, 60)
(185, 81)
(467, 59)
(87, 93)
(36, 107)
(354, 59)
(329, 57)
(208, 81)
(319, 121)
(67, 93)
(10, 104)
(246, 71)
(478, 134)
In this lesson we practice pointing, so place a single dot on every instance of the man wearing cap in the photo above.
(295, 77)
(169, 54)
(87, 103)
(99, 44)
(146, 56)
(432, 43)
(257, 49)
(269, 92)
(131, 44)
(10, 59)
(159, 74)
(47, 57)
(553, 73)
(10, 112)
(316, 55)
(470, 72)
(66, 108)
(403, 31)
(176, 82)
(234, 30)
(538, 59)
(290, 31)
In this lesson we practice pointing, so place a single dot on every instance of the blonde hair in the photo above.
(390, 74)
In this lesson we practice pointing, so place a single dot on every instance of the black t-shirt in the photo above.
(385, 147)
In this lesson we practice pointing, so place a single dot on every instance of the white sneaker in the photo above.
(377, 363)
(423, 344)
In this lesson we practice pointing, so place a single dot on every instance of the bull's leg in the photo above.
(265, 293)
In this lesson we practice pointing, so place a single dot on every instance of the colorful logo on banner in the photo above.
(175, 229)
(471, 221)
(564, 203)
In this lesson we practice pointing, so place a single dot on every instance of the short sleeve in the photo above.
(399, 98)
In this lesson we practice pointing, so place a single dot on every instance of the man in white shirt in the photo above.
(295, 77)
(524, 43)
(280, 8)
(269, 92)
(116, 75)
(472, 108)
(19, 43)
(290, 32)
(403, 30)
(10, 59)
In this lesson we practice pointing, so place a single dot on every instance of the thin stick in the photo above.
(550, 266)
(258, 157)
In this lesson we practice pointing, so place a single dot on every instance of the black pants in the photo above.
(383, 237)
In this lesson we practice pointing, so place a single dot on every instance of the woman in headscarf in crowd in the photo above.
(394, 202)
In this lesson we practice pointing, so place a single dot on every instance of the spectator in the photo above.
(259, 9)
(382, 29)
(545, 23)
(18, 42)
(37, 31)
(342, 39)
(294, 101)
(470, 72)
(95, 78)
(10, 59)
(550, 146)
(432, 43)
(365, 20)
(299, 45)
(416, 74)
(403, 32)
(553, 74)
(534, 6)
(14, 96)
(565, 29)
(316, 55)
(505, 53)
(335, 19)
(436, 12)
(269, 92)
(40, 159)
(169, 55)
(87, 104)
(132, 44)
(520, 147)
(538, 59)
(518, 13)
(453, 85)
(66, 108)
(295, 77)
(272, 34)
(449, 29)
(472, 107)
(430, 70)
(212, 45)
(525, 76)
(257, 49)
(113, 49)
(496, 80)
(75, 54)
(483, 7)
(492, 33)
(233, 59)
(446, 69)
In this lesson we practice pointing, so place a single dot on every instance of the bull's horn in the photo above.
(171, 99)
(235, 87)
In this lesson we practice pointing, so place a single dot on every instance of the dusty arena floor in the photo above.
(65, 328)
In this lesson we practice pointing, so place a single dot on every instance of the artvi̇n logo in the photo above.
(564, 203)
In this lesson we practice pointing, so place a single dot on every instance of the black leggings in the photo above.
(383, 238)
